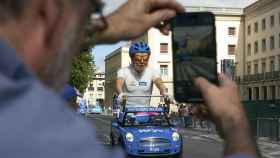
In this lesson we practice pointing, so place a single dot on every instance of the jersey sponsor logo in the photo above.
(150, 131)
(143, 83)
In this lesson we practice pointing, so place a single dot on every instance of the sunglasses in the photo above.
(141, 58)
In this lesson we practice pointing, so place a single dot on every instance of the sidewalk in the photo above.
(268, 148)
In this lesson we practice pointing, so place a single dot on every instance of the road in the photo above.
(195, 144)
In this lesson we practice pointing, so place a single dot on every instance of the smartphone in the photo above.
(194, 53)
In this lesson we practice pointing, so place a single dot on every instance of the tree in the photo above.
(83, 66)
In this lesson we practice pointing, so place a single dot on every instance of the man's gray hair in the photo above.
(12, 8)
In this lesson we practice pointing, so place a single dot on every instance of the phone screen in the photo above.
(194, 53)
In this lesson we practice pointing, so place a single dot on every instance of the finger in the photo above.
(171, 4)
(97, 24)
(165, 29)
(161, 15)
(203, 85)
(225, 81)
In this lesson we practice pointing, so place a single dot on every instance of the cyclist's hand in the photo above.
(122, 97)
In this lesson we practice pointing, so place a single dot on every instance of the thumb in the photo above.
(161, 15)
(203, 85)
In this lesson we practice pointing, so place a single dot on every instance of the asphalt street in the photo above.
(196, 145)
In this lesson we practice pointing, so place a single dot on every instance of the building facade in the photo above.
(227, 34)
(115, 60)
(95, 91)
(258, 66)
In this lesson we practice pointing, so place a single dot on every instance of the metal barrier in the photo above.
(266, 127)
(264, 117)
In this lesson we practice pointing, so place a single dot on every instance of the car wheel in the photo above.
(128, 156)
(180, 155)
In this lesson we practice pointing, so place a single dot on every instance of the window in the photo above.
(278, 91)
(272, 21)
(279, 21)
(91, 88)
(249, 93)
(279, 63)
(100, 88)
(256, 68)
(256, 48)
(264, 89)
(249, 30)
(257, 93)
(164, 70)
(263, 24)
(263, 45)
(263, 67)
(164, 48)
(231, 31)
(272, 42)
(249, 49)
(231, 49)
(256, 27)
(272, 66)
(248, 68)
(273, 92)
(279, 40)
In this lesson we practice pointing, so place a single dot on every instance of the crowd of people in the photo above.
(187, 118)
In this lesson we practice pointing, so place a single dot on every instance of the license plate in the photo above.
(154, 149)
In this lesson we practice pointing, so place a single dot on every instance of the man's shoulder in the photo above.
(126, 68)
(124, 71)
(151, 68)
(152, 71)
(37, 120)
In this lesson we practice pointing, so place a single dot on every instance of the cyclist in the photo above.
(138, 78)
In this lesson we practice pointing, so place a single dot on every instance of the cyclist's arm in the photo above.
(119, 85)
(159, 84)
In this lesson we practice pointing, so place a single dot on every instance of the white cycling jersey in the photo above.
(138, 85)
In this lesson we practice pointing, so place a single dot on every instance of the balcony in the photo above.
(260, 77)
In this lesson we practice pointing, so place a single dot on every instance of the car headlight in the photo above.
(175, 136)
(129, 137)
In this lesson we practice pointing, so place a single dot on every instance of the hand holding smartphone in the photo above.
(194, 53)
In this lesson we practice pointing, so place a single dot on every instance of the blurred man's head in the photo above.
(45, 33)
(139, 53)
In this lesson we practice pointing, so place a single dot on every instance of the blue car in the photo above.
(82, 107)
(95, 110)
(146, 131)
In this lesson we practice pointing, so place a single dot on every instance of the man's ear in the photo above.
(50, 13)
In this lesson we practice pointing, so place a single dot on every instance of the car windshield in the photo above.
(145, 119)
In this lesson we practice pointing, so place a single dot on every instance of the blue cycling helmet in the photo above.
(139, 47)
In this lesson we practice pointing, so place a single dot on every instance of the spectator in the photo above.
(39, 39)
(70, 94)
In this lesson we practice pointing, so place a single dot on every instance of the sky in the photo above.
(110, 5)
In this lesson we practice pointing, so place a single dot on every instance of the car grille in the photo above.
(154, 142)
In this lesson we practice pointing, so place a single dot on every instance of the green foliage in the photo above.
(84, 65)
(82, 71)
